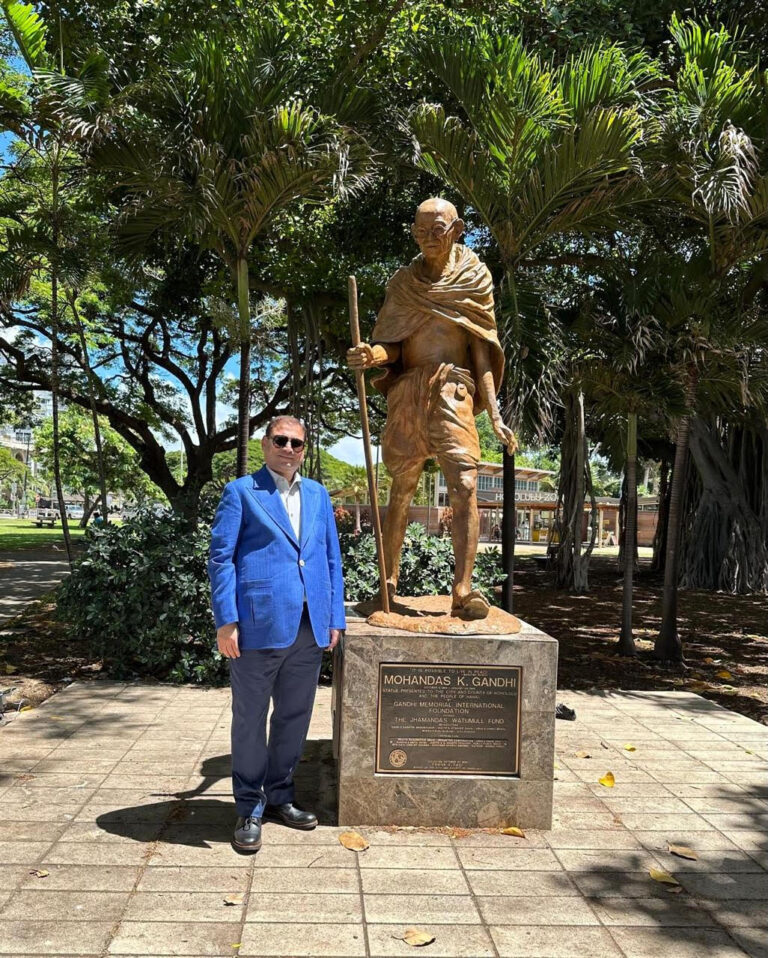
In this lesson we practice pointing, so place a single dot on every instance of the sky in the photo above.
(350, 449)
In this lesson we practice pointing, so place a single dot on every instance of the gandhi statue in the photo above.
(436, 337)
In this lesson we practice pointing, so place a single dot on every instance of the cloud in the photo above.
(350, 449)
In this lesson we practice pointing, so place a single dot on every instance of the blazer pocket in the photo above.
(258, 595)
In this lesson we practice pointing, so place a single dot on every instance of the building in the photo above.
(536, 502)
(536, 506)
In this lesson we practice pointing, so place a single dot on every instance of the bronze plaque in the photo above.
(448, 719)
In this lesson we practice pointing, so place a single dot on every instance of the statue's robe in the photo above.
(463, 295)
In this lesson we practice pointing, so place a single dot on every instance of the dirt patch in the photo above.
(725, 634)
(38, 657)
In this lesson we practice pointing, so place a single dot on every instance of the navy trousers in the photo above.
(262, 771)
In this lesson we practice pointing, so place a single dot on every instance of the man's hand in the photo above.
(226, 638)
(505, 434)
(365, 356)
(335, 636)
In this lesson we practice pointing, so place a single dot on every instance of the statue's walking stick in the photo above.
(354, 325)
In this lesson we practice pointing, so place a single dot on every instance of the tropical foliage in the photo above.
(183, 198)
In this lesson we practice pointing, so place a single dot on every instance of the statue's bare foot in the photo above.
(473, 605)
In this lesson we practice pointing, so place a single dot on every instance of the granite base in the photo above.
(465, 801)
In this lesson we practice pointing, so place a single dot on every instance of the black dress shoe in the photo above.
(290, 815)
(247, 837)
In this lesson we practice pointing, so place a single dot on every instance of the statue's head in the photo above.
(436, 228)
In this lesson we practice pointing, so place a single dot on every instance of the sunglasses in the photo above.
(280, 442)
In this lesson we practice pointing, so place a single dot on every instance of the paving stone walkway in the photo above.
(120, 794)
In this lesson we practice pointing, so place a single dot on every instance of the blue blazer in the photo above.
(260, 572)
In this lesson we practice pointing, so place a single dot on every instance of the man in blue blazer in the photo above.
(278, 601)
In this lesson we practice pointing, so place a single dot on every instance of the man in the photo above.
(278, 601)
(436, 336)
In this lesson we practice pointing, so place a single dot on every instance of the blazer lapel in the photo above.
(309, 504)
(265, 493)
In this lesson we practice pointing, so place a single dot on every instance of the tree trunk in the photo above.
(94, 413)
(358, 526)
(508, 526)
(55, 366)
(623, 519)
(626, 639)
(668, 646)
(185, 500)
(244, 392)
(727, 549)
(662, 519)
(88, 512)
(571, 564)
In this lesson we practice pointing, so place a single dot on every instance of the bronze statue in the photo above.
(436, 336)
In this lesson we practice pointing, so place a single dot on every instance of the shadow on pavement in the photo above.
(206, 814)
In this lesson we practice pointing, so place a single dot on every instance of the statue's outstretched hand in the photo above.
(362, 356)
(505, 435)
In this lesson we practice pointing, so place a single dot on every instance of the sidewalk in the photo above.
(120, 794)
(26, 574)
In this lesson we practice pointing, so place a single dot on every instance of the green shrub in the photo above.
(426, 567)
(140, 597)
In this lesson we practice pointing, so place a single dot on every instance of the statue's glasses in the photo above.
(280, 442)
(438, 231)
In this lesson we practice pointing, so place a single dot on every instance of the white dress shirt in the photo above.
(291, 496)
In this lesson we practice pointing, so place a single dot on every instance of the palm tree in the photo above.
(711, 117)
(37, 246)
(355, 481)
(536, 153)
(219, 144)
(625, 382)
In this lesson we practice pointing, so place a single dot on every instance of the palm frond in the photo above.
(604, 76)
(575, 176)
(448, 149)
(28, 30)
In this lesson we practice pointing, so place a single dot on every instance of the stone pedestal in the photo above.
(368, 797)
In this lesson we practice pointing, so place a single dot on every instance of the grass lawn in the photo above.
(16, 534)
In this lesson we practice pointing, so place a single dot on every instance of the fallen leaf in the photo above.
(237, 899)
(39, 873)
(608, 780)
(682, 851)
(605, 746)
(583, 754)
(629, 748)
(10, 669)
(709, 660)
(26, 708)
(724, 674)
(353, 841)
(658, 874)
(458, 832)
(236, 944)
(415, 937)
(674, 889)
(513, 830)
(557, 765)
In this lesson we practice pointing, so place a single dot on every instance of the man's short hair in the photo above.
(273, 423)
